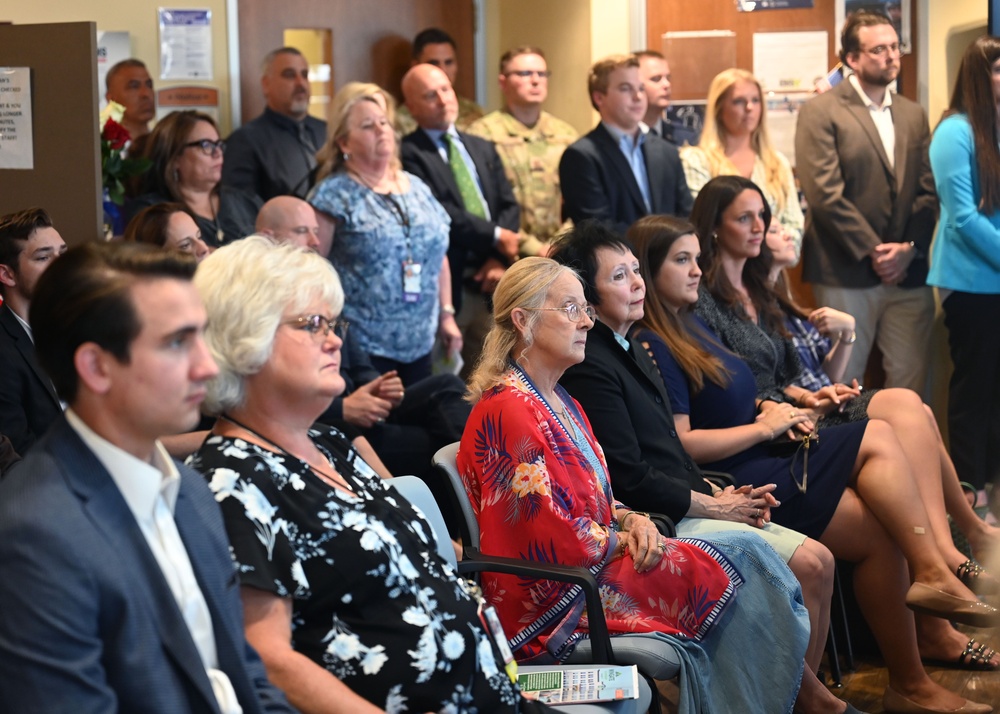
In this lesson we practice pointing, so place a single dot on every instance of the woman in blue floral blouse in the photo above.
(389, 237)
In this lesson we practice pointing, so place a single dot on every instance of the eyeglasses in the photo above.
(316, 324)
(529, 73)
(880, 50)
(572, 310)
(207, 146)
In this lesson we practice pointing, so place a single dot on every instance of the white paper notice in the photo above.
(17, 147)
(789, 61)
(185, 44)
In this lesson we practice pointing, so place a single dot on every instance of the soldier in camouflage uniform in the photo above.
(530, 143)
(436, 47)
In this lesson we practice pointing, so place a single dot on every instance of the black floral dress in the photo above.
(373, 602)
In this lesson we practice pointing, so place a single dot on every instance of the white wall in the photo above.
(952, 25)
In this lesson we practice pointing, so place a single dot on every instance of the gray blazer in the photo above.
(856, 198)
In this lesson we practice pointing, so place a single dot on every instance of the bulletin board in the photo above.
(66, 177)
(683, 15)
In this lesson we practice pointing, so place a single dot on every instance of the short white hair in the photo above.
(247, 286)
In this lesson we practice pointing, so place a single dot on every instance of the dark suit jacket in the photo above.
(856, 199)
(627, 404)
(471, 239)
(28, 402)
(87, 621)
(597, 181)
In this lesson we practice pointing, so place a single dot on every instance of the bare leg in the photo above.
(885, 483)
(881, 580)
(904, 411)
(984, 538)
(815, 698)
(813, 565)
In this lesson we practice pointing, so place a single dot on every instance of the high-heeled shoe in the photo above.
(931, 601)
(893, 701)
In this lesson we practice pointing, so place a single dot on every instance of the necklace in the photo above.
(389, 200)
(332, 478)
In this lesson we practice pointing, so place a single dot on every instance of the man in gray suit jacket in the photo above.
(861, 156)
(118, 592)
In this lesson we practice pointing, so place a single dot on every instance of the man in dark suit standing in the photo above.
(28, 401)
(118, 591)
(862, 160)
(620, 172)
(466, 175)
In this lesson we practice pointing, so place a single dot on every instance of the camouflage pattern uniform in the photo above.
(468, 112)
(531, 161)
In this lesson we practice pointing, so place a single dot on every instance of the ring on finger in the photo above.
(662, 547)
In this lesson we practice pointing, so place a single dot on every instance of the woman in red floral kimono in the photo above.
(538, 481)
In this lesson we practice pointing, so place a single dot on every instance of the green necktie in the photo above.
(466, 184)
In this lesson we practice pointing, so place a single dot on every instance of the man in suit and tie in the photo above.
(620, 172)
(466, 175)
(118, 591)
(654, 70)
(862, 161)
(28, 401)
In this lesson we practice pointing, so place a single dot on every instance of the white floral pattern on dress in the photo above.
(353, 564)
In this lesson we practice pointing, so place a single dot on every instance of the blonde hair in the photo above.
(247, 286)
(330, 158)
(713, 136)
(525, 284)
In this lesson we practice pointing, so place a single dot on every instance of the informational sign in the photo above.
(112, 48)
(185, 43)
(790, 61)
(17, 146)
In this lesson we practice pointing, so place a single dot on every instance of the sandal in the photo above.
(975, 657)
(975, 577)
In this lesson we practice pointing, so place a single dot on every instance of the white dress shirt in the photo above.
(150, 490)
(882, 116)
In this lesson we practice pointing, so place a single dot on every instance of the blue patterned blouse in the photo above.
(375, 235)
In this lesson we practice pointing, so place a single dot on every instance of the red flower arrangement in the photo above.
(115, 165)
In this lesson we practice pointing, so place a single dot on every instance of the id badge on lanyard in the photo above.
(411, 281)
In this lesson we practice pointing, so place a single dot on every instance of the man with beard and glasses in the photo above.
(275, 154)
(862, 160)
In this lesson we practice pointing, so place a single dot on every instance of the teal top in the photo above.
(965, 255)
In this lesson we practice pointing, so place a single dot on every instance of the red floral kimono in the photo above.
(539, 496)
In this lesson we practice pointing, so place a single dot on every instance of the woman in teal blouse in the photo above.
(965, 259)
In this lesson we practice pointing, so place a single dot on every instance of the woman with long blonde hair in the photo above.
(735, 142)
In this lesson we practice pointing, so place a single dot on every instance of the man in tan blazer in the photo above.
(861, 155)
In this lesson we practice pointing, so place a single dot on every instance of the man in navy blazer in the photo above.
(28, 401)
(620, 171)
(118, 592)
(481, 242)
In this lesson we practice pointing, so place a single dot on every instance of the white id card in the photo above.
(411, 281)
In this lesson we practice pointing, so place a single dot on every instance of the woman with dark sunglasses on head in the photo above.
(186, 155)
